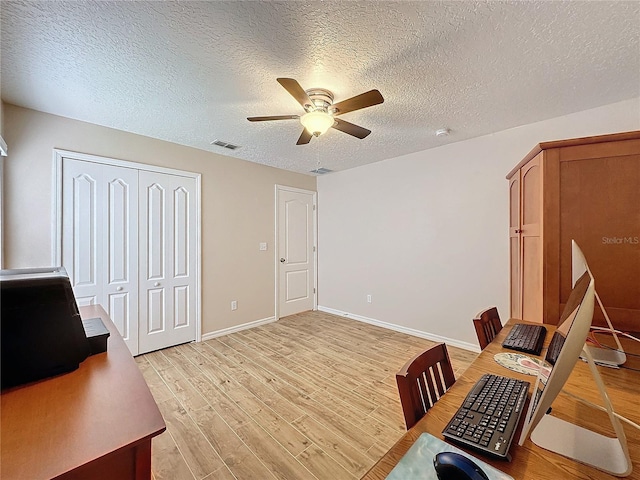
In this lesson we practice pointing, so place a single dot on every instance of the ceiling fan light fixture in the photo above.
(317, 122)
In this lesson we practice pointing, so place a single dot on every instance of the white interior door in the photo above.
(167, 234)
(296, 250)
(100, 242)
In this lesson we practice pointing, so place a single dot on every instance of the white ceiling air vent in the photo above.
(220, 143)
(321, 171)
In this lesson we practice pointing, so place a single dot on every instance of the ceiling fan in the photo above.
(321, 112)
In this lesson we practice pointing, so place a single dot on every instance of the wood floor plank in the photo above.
(377, 451)
(322, 465)
(253, 405)
(159, 389)
(330, 419)
(222, 474)
(234, 453)
(270, 397)
(179, 385)
(390, 416)
(352, 459)
(281, 430)
(275, 457)
(167, 462)
(158, 360)
(371, 426)
(273, 368)
(223, 405)
(312, 395)
(200, 456)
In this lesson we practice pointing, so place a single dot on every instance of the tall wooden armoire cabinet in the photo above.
(586, 189)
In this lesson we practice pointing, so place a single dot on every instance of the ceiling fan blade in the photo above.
(296, 91)
(364, 100)
(350, 128)
(275, 117)
(305, 137)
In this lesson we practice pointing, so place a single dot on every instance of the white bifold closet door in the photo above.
(167, 260)
(100, 240)
(128, 245)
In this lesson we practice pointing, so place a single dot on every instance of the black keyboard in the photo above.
(557, 341)
(489, 415)
(526, 338)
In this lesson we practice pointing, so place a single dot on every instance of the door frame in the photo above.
(56, 217)
(278, 189)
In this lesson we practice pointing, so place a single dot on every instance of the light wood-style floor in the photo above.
(312, 396)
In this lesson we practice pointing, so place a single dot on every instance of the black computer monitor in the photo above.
(560, 436)
(41, 330)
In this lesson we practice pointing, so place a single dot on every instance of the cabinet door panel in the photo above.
(514, 246)
(600, 200)
(530, 241)
(531, 279)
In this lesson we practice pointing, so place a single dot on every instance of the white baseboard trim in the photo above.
(398, 328)
(237, 328)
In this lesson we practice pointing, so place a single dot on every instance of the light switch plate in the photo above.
(263, 245)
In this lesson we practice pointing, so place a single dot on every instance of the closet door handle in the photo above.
(119, 289)
(282, 260)
(157, 284)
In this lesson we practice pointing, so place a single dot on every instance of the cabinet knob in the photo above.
(518, 230)
(282, 260)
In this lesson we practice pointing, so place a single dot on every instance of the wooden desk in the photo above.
(530, 461)
(93, 423)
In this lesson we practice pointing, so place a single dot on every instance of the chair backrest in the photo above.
(487, 324)
(423, 380)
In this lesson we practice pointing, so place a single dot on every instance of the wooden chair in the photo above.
(487, 324)
(422, 381)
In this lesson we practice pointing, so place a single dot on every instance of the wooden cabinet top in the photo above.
(614, 137)
(55, 425)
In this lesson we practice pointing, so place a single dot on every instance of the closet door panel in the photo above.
(183, 257)
(167, 213)
(82, 229)
(155, 226)
(100, 240)
(121, 252)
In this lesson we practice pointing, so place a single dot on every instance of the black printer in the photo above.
(41, 331)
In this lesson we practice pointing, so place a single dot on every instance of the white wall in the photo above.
(426, 234)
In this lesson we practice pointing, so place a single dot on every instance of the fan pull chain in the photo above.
(317, 142)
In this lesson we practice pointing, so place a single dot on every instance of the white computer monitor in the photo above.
(603, 356)
(557, 435)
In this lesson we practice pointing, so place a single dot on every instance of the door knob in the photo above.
(157, 284)
(119, 289)
(282, 260)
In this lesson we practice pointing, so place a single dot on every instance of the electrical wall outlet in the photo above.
(368, 298)
(234, 304)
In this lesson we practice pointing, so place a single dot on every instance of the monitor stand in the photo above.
(608, 454)
(605, 356)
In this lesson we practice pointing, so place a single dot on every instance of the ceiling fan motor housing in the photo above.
(322, 99)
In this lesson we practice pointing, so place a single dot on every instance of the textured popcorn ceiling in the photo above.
(191, 72)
